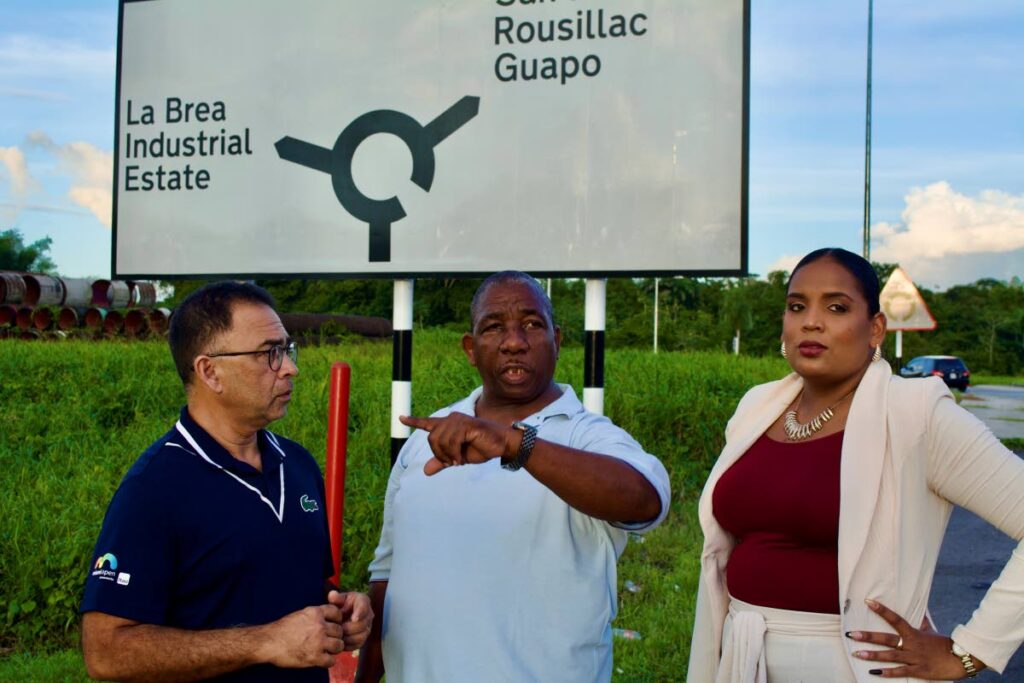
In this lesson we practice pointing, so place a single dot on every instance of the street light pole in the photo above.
(867, 144)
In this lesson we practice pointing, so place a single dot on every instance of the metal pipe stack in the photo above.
(40, 306)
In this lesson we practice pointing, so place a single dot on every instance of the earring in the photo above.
(878, 353)
(782, 350)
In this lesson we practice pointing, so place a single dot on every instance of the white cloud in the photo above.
(17, 173)
(90, 169)
(786, 262)
(14, 208)
(939, 221)
(34, 94)
(41, 57)
(940, 226)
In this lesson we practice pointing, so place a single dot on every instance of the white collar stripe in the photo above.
(273, 442)
(178, 445)
(279, 512)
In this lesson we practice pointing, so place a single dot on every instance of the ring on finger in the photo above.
(899, 643)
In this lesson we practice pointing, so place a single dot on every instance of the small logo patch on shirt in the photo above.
(105, 574)
(123, 578)
(308, 504)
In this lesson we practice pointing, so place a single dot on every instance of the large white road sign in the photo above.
(413, 137)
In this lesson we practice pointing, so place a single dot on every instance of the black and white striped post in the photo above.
(593, 350)
(401, 364)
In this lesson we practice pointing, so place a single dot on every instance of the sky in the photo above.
(947, 199)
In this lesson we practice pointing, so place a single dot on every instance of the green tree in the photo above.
(1000, 318)
(738, 311)
(763, 301)
(16, 255)
(981, 322)
(883, 270)
(442, 301)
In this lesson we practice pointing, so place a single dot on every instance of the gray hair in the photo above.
(510, 277)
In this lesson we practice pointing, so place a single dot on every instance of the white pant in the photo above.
(766, 645)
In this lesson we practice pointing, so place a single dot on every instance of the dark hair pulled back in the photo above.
(857, 266)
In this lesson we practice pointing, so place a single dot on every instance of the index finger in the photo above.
(332, 613)
(895, 620)
(424, 423)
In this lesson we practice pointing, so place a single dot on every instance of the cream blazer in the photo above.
(909, 454)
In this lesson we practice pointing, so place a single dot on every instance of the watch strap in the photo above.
(966, 659)
(525, 447)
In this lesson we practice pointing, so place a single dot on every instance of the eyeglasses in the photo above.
(275, 354)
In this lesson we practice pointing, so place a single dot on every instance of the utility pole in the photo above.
(867, 144)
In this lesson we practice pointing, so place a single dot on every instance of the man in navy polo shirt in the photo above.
(213, 561)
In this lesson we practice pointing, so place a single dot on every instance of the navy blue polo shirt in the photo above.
(196, 539)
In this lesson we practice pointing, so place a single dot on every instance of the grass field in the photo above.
(997, 379)
(75, 415)
(64, 666)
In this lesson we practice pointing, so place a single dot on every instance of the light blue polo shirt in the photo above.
(491, 576)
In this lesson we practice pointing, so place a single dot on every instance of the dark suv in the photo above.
(950, 368)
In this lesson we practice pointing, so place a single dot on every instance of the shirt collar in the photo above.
(270, 456)
(567, 404)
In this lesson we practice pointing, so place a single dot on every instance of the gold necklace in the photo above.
(795, 431)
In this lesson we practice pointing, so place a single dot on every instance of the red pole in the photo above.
(337, 451)
(345, 663)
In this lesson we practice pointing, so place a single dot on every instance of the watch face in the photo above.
(959, 651)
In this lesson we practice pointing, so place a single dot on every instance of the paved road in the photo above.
(1002, 408)
(974, 552)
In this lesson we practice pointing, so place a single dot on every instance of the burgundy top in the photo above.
(781, 503)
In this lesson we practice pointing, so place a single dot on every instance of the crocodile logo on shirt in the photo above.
(308, 504)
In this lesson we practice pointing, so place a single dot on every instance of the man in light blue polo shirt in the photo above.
(505, 570)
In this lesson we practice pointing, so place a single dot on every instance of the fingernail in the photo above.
(853, 635)
(871, 603)
(875, 672)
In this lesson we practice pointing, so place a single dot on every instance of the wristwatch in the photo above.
(965, 659)
(525, 447)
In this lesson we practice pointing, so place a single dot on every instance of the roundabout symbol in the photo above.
(421, 140)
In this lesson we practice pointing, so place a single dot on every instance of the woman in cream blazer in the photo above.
(909, 453)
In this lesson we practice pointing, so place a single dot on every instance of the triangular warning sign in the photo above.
(903, 306)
